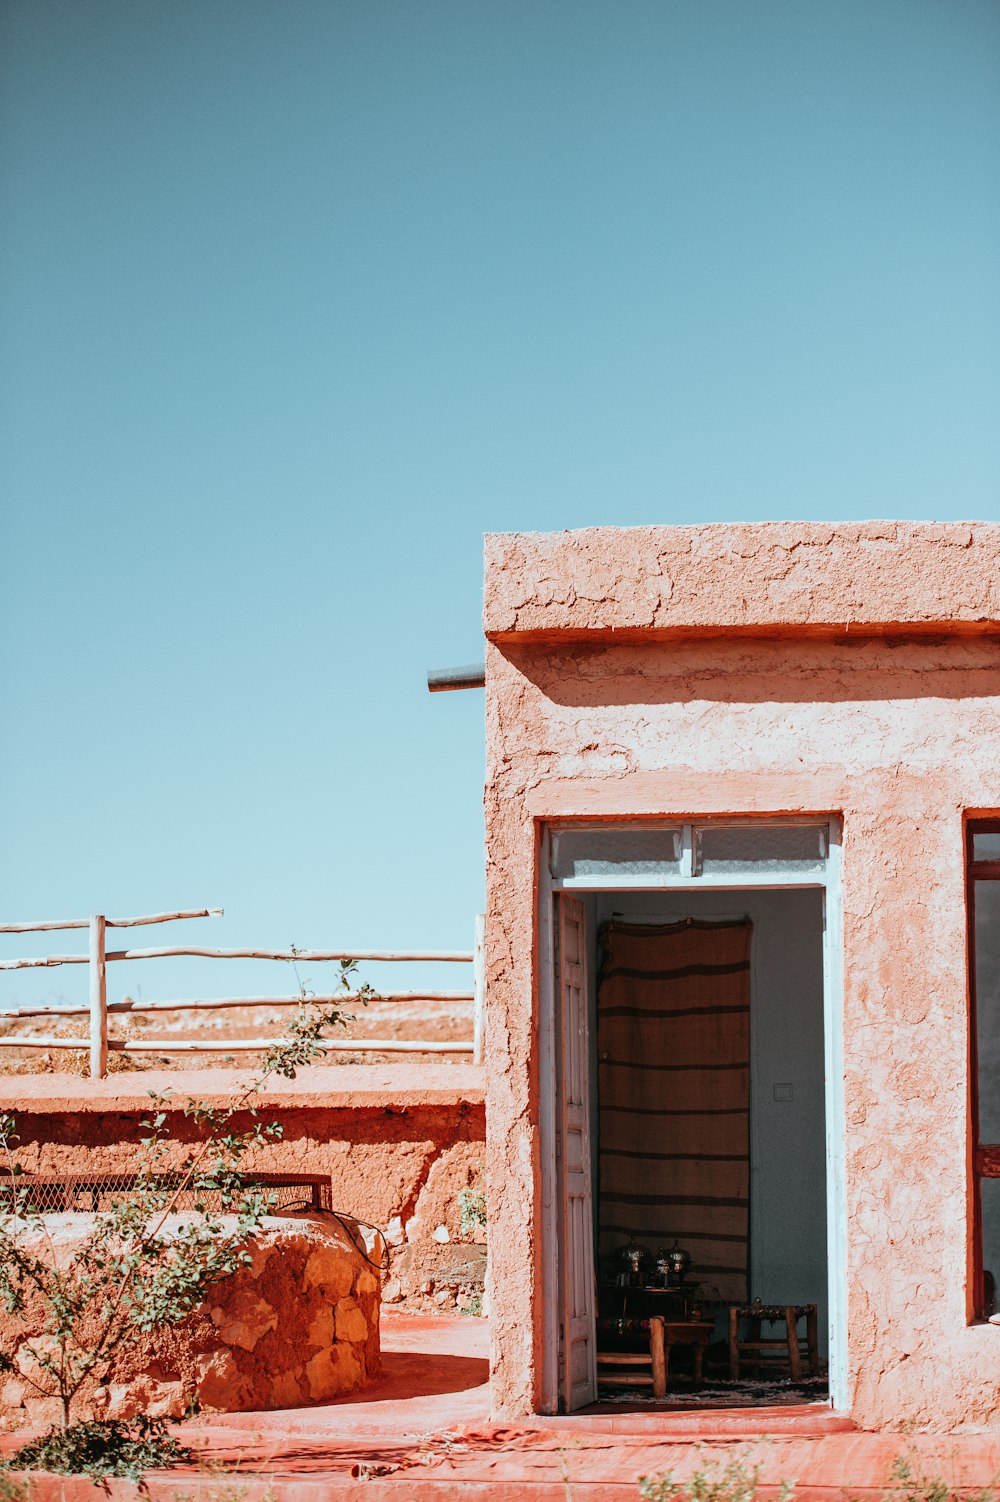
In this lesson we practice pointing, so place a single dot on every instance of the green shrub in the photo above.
(138, 1270)
(103, 1448)
(472, 1204)
(731, 1481)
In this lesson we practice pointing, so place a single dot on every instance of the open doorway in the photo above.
(693, 1142)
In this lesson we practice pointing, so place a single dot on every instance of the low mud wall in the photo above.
(298, 1324)
(399, 1142)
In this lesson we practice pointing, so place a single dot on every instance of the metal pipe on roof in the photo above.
(439, 680)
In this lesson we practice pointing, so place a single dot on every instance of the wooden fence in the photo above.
(99, 1009)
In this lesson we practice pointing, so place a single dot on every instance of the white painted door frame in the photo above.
(833, 1010)
(577, 1309)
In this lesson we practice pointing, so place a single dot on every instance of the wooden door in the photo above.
(578, 1365)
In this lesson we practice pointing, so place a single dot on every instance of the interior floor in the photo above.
(774, 1393)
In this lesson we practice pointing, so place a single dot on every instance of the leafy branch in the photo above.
(144, 1266)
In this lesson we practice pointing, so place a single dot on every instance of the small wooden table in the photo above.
(663, 1334)
(785, 1314)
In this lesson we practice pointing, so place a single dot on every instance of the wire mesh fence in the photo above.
(44, 1194)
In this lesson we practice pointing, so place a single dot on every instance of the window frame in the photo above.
(985, 1155)
(688, 872)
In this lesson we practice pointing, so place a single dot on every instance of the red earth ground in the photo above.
(423, 1434)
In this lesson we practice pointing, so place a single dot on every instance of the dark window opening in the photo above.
(983, 869)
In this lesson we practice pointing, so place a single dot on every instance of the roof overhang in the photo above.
(775, 579)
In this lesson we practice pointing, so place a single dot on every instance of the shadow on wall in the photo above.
(758, 670)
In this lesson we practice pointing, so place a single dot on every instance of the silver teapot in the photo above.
(673, 1265)
(632, 1263)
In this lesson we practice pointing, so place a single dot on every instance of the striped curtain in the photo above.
(673, 1040)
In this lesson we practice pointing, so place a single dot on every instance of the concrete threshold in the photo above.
(804, 1420)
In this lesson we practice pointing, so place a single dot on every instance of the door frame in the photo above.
(829, 882)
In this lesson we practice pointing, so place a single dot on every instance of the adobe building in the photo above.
(743, 944)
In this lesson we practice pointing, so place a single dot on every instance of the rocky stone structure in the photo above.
(438, 1277)
(298, 1325)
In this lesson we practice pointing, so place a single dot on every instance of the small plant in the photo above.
(472, 1204)
(223, 1494)
(142, 1267)
(104, 1448)
(909, 1483)
(733, 1481)
(474, 1309)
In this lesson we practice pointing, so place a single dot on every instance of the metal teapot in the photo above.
(632, 1263)
(673, 1265)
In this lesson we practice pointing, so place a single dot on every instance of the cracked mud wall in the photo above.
(400, 1167)
(897, 729)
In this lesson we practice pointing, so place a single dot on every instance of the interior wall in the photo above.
(788, 1254)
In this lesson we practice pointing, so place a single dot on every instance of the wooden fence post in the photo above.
(479, 987)
(98, 998)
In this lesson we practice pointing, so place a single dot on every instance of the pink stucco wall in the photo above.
(773, 669)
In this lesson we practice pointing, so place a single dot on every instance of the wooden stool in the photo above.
(787, 1314)
(663, 1334)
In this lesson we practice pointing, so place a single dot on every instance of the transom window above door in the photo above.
(725, 853)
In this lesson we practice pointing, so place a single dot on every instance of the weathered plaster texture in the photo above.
(898, 733)
(298, 1325)
(751, 577)
(399, 1145)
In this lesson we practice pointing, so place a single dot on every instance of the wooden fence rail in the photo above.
(219, 1003)
(308, 956)
(47, 926)
(242, 1045)
(99, 1009)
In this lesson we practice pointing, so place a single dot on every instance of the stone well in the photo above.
(298, 1325)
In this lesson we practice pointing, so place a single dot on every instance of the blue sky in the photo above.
(298, 299)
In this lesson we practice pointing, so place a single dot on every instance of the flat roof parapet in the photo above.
(762, 578)
(317, 1087)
